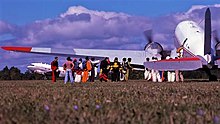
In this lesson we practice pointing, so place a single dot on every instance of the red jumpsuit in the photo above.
(54, 67)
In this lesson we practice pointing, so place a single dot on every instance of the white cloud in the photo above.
(199, 7)
(80, 9)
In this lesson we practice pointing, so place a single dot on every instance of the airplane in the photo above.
(196, 48)
(193, 41)
(44, 68)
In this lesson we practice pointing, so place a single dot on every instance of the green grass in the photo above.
(123, 102)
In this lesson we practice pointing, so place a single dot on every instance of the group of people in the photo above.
(83, 71)
(160, 76)
(75, 71)
(119, 71)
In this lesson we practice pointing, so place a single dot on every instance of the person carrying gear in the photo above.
(54, 68)
(68, 66)
(87, 67)
(123, 70)
(115, 68)
(104, 69)
(129, 68)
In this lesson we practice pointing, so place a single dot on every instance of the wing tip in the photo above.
(19, 49)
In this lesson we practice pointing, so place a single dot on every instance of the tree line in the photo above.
(15, 74)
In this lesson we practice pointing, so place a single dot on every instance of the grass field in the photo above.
(123, 102)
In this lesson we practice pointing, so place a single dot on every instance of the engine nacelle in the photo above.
(153, 48)
(156, 49)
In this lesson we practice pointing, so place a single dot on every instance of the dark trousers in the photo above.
(116, 76)
(92, 77)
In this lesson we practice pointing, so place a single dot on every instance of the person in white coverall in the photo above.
(170, 74)
(147, 72)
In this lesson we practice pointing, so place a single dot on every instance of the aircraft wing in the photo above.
(188, 62)
(138, 57)
(184, 64)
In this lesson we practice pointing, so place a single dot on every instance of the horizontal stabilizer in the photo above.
(183, 64)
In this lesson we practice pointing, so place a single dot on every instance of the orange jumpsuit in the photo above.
(86, 71)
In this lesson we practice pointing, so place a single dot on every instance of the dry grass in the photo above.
(123, 102)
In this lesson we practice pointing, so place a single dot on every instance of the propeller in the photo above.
(148, 37)
(154, 45)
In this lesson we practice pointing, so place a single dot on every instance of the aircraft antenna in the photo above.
(201, 22)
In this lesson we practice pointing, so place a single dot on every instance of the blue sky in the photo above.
(100, 24)
(26, 11)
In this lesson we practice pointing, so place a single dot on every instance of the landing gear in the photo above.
(211, 76)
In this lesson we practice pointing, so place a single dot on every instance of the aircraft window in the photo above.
(198, 31)
(192, 25)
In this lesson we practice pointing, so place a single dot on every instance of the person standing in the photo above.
(87, 67)
(79, 71)
(115, 67)
(92, 76)
(68, 66)
(129, 68)
(104, 69)
(123, 70)
(74, 68)
(54, 68)
(147, 72)
(180, 55)
(181, 76)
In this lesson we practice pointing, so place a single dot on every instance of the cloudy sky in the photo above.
(95, 24)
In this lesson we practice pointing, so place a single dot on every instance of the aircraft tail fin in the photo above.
(207, 42)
